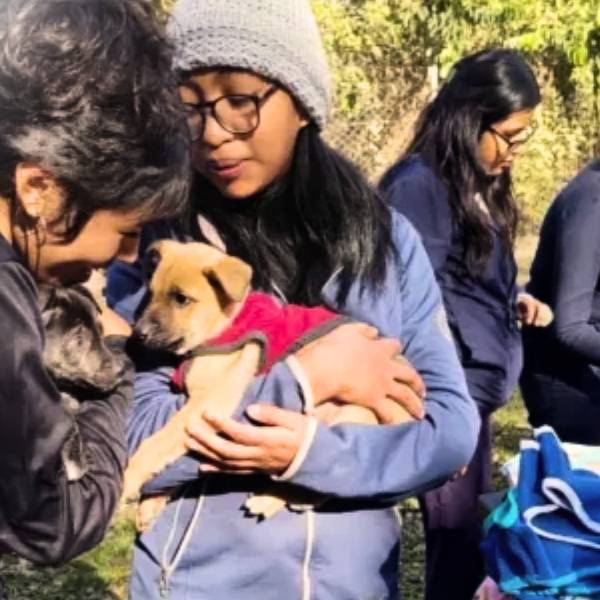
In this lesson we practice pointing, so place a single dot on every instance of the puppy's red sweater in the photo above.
(280, 329)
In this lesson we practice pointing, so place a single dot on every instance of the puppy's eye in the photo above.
(180, 299)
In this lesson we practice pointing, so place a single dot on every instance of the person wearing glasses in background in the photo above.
(560, 381)
(454, 185)
(256, 85)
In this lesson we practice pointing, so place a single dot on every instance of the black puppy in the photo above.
(80, 363)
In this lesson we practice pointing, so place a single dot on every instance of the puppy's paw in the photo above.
(132, 484)
(148, 511)
(73, 456)
(263, 506)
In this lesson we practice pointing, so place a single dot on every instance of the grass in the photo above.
(99, 575)
(102, 574)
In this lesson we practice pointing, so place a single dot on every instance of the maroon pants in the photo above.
(453, 528)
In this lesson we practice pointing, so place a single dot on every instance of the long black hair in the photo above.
(482, 89)
(322, 216)
(87, 92)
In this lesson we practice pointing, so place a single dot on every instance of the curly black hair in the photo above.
(88, 93)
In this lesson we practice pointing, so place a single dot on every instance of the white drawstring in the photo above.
(167, 569)
(310, 541)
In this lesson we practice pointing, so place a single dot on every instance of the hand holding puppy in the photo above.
(350, 364)
(240, 448)
(353, 365)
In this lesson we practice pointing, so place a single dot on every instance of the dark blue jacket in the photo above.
(566, 275)
(481, 307)
(349, 547)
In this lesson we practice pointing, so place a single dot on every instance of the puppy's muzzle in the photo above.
(149, 333)
(145, 330)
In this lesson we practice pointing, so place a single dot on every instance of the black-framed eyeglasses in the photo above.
(235, 113)
(513, 143)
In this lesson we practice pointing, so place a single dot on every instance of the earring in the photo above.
(41, 230)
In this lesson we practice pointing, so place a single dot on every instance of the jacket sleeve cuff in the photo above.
(180, 472)
(300, 374)
(308, 408)
(302, 453)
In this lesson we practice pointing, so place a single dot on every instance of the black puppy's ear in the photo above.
(86, 293)
(46, 296)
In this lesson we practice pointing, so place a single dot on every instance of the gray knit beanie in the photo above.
(278, 39)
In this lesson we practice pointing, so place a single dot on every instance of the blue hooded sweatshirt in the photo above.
(203, 546)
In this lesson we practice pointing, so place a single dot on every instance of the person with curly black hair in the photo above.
(93, 144)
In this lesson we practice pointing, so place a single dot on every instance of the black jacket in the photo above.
(565, 274)
(43, 517)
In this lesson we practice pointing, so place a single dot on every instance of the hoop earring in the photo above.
(41, 231)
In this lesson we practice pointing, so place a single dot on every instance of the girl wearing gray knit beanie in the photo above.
(255, 84)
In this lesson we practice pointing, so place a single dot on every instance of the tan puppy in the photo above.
(196, 292)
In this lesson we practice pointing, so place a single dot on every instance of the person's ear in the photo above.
(303, 116)
(39, 193)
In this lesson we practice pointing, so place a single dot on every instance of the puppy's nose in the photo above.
(141, 332)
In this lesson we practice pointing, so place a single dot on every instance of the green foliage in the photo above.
(374, 46)
(387, 55)
(163, 6)
(368, 35)
(382, 51)
(557, 29)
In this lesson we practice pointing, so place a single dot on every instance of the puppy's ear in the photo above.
(46, 296)
(231, 279)
(87, 294)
